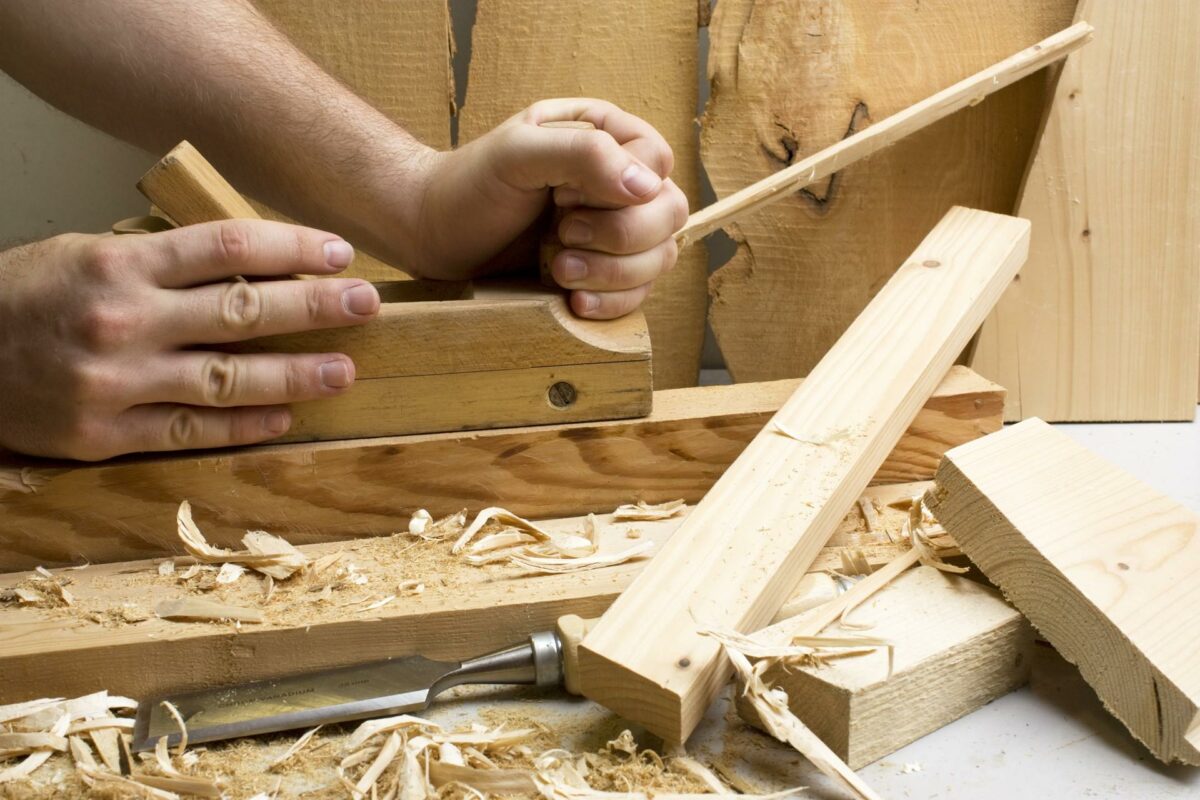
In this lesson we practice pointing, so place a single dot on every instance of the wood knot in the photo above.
(685, 662)
(931, 263)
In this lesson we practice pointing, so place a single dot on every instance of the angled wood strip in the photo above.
(795, 76)
(111, 638)
(641, 56)
(1105, 567)
(68, 513)
(958, 646)
(741, 552)
(1104, 323)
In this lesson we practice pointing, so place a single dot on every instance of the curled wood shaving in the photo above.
(438, 530)
(642, 511)
(550, 564)
(38, 757)
(268, 554)
(838, 435)
(771, 703)
(419, 522)
(923, 544)
(230, 572)
(504, 517)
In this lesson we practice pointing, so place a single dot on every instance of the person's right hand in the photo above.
(99, 336)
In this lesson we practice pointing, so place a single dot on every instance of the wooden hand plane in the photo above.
(440, 356)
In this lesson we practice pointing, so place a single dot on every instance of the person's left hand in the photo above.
(481, 204)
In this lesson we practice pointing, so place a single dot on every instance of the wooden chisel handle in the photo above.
(571, 629)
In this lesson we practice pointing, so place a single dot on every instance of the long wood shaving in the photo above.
(642, 511)
(268, 554)
(296, 747)
(196, 608)
(553, 564)
(777, 718)
(126, 787)
(502, 516)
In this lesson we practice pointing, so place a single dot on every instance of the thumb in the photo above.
(589, 162)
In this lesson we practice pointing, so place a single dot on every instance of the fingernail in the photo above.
(338, 254)
(277, 422)
(588, 302)
(336, 375)
(573, 269)
(578, 232)
(639, 180)
(361, 299)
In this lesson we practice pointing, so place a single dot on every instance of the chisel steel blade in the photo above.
(302, 701)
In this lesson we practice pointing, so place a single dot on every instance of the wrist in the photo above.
(392, 198)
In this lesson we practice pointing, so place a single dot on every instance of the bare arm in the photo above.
(153, 72)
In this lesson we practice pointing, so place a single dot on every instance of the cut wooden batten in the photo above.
(743, 549)
(57, 513)
(1106, 568)
(957, 647)
(463, 611)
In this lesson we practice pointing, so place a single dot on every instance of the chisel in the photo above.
(362, 691)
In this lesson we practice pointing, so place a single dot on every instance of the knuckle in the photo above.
(84, 438)
(184, 429)
(318, 296)
(107, 326)
(233, 242)
(591, 147)
(105, 260)
(220, 380)
(241, 306)
(620, 234)
(295, 380)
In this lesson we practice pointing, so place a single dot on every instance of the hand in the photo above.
(481, 204)
(98, 336)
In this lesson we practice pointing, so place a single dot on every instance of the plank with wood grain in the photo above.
(741, 552)
(59, 513)
(110, 638)
(957, 646)
(641, 56)
(1104, 323)
(792, 77)
(1105, 567)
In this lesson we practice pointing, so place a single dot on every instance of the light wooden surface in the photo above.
(795, 76)
(1104, 323)
(56, 513)
(958, 646)
(185, 186)
(1105, 567)
(510, 356)
(641, 56)
(463, 611)
(756, 531)
(970, 91)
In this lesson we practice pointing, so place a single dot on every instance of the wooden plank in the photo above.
(58, 513)
(189, 190)
(1104, 323)
(957, 647)
(792, 77)
(1105, 567)
(463, 611)
(641, 56)
(757, 530)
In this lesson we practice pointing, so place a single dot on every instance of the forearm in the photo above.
(217, 73)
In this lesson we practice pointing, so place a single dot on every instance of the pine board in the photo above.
(1104, 321)
(741, 552)
(792, 77)
(958, 646)
(61, 513)
(1106, 568)
(641, 56)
